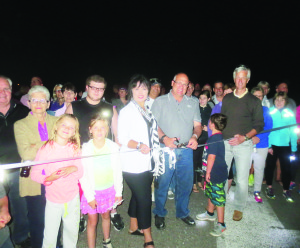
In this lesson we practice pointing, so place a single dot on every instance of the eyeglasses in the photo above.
(6, 90)
(181, 84)
(96, 89)
(41, 101)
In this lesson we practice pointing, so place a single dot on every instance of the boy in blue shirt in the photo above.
(216, 174)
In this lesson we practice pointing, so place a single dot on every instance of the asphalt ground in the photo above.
(273, 223)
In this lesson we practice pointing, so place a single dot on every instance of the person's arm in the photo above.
(193, 143)
(69, 109)
(26, 149)
(210, 163)
(169, 142)
(114, 125)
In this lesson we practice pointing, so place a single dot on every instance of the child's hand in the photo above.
(93, 204)
(118, 199)
(207, 177)
(66, 171)
(54, 176)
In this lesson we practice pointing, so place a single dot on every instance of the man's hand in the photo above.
(255, 140)
(193, 143)
(169, 142)
(238, 139)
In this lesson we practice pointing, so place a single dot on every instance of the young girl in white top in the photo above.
(102, 182)
(61, 181)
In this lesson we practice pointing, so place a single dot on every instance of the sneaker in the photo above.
(270, 193)
(188, 220)
(82, 224)
(251, 180)
(160, 222)
(292, 185)
(218, 230)
(170, 195)
(205, 216)
(117, 222)
(107, 243)
(257, 197)
(288, 196)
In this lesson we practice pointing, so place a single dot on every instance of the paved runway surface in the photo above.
(273, 223)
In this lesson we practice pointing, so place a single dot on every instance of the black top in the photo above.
(8, 147)
(85, 111)
(243, 114)
(205, 114)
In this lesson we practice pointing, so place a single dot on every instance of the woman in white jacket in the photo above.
(137, 133)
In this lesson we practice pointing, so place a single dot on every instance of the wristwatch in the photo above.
(162, 138)
(247, 138)
(139, 145)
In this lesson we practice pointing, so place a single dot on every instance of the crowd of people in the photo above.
(162, 145)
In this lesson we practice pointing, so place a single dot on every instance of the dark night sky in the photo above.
(62, 42)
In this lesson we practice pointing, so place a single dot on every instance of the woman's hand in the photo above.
(144, 149)
(205, 128)
(93, 204)
(270, 150)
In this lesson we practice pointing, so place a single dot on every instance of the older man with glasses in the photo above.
(179, 121)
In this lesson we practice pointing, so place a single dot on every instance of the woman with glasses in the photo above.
(279, 145)
(30, 134)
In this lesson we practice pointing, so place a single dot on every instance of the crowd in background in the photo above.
(141, 117)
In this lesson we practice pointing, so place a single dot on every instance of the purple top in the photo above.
(43, 131)
(216, 110)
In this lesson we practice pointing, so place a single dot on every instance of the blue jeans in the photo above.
(18, 207)
(183, 180)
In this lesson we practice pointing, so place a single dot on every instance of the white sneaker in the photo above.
(170, 195)
(205, 216)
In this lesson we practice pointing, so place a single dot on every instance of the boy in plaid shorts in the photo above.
(216, 174)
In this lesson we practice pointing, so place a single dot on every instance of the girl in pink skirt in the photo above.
(102, 181)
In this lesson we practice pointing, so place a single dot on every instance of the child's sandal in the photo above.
(148, 243)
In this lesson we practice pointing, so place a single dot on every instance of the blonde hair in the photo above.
(54, 91)
(99, 117)
(74, 140)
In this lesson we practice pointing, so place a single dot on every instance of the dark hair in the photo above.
(257, 88)
(219, 120)
(97, 79)
(285, 81)
(68, 86)
(218, 82)
(134, 81)
(205, 92)
(283, 95)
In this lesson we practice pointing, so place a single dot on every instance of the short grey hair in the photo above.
(41, 89)
(7, 79)
(263, 83)
(241, 68)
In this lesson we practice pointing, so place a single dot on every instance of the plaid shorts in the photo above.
(216, 193)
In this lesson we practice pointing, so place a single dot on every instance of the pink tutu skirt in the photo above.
(105, 200)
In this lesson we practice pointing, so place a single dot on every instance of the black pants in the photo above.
(197, 160)
(140, 202)
(283, 154)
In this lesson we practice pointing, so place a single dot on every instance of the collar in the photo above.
(241, 95)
